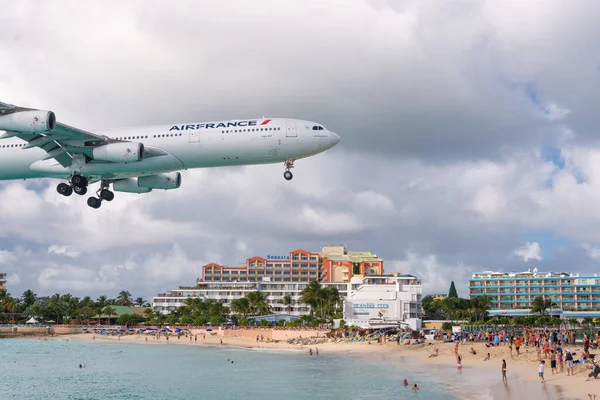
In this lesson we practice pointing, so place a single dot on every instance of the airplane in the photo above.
(140, 159)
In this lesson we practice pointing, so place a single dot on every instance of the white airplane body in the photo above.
(140, 159)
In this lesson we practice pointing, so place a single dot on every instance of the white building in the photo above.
(225, 292)
(384, 301)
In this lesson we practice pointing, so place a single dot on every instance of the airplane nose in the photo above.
(335, 138)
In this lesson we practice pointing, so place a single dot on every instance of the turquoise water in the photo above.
(50, 370)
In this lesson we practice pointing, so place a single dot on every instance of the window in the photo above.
(317, 128)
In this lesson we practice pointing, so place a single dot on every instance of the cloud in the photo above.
(530, 251)
(64, 250)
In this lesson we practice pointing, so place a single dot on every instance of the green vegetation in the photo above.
(61, 308)
(452, 292)
(452, 308)
(325, 304)
(540, 305)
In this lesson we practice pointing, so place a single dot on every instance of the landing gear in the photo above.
(103, 194)
(64, 189)
(80, 190)
(288, 174)
(78, 180)
(94, 202)
(107, 195)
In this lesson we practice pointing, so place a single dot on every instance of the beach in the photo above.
(522, 369)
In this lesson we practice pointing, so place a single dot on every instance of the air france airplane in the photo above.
(139, 159)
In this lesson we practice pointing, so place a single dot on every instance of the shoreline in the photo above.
(522, 369)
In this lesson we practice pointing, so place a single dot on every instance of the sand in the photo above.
(523, 381)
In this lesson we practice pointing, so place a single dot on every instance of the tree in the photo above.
(241, 306)
(258, 303)
(540, 305)
(288, 302)
(139, 302)
(124, 299)
(452, 291)
(433, 308)
(28, 298)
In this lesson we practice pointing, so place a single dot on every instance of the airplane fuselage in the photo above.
(197, 145)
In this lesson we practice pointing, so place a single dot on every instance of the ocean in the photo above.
(50, 370)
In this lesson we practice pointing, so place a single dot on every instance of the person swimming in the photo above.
(405, 383)
(415, 387)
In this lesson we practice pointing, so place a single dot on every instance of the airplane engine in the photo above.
(35, 121)
(171, 180)
(125, 152)
(129, 186)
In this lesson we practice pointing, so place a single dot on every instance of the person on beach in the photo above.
(561, 364)
(459, 363)
(518, 344)
(504, 379)
(541, 370)
(569, 360)
(553, 362)
(473, 352)
(435, 353)
(487, 357)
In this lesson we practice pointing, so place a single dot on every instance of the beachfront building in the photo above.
(275, 292)
(2, 281)
(570, 292)
(384, 301)
(226, 292)
(331, 264)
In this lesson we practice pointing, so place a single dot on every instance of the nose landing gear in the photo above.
(288, 174)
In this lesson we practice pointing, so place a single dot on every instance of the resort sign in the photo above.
(282, 258)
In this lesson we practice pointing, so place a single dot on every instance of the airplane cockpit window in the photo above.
(317, 128)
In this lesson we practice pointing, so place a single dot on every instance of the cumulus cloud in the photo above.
(443, 113)
(530, 251)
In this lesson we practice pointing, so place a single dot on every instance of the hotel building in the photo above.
(397, 297)
(517, 290)
(2, 281)
(331, 264)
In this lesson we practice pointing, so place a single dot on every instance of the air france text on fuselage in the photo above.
(213, 125)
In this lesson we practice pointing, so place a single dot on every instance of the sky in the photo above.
(469, 136)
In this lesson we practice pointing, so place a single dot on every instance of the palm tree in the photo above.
(124, 298)
(311, 296)
(241, 306)
(540, 305)
(28, 298)
(139, 301)
(258, 303)
(102, 301)
(288, 302)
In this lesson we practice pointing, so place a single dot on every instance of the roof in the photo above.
(119, 310)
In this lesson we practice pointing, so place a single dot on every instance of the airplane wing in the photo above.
(61, 141)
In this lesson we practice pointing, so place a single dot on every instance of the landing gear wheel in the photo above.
(80, 190)
(78, 180)
(288, 175)
(64, 189)
(94, 202)
(107, 195)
